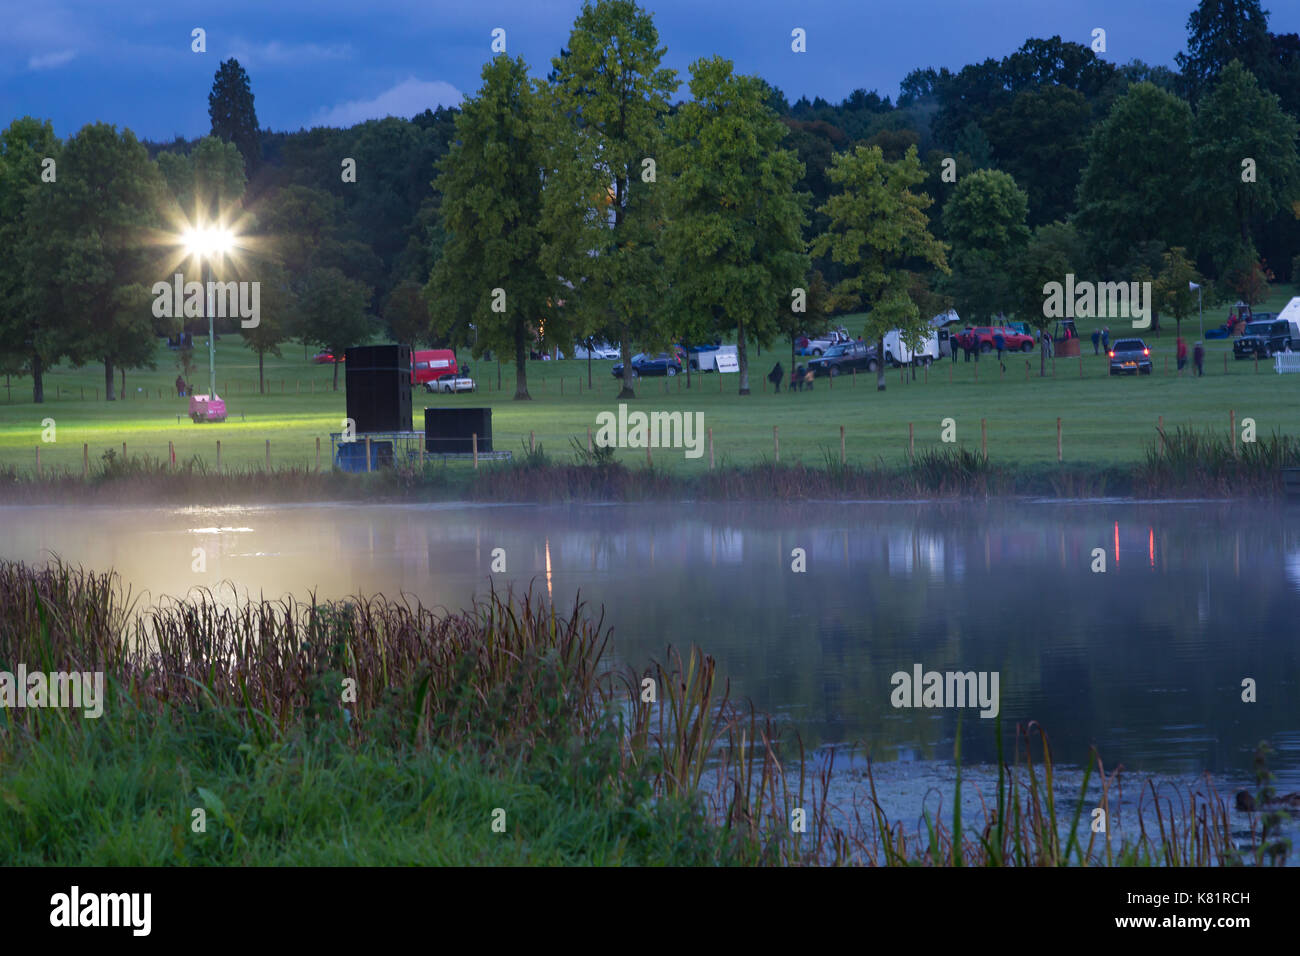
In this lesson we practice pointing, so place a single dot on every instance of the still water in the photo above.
(1145, 660)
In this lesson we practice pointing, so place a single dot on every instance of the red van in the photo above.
(429, 365)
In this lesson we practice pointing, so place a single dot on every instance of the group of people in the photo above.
(1102, 336)
(800, 378)
(1198, 357)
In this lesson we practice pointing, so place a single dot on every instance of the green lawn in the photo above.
(1105, 420)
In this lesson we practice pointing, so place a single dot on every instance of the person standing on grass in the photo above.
(1105, 340)
(1182, 355)
(1198, 358)
(180, 387)
(1096, 337)
(776, 375)
(999, 343)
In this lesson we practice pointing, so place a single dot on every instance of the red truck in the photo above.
(982, 337)
(429, 365)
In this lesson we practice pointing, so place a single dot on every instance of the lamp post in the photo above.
(205, 244)
(1200, 317)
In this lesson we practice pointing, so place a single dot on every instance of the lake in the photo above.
(1146, 660)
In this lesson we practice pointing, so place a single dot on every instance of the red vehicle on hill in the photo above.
(982, 337)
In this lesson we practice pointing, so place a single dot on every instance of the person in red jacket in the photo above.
(1182, 355)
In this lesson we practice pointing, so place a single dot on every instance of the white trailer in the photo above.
(897, 351)
(706, 360)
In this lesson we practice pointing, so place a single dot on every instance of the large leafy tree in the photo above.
(92, 260)
(1236, 121)
(1172, 289)
(1218, 32)
(1135, 186)
(734, 236)
(230, 109)
(1040, 140)
(1053, 251)
(610, 95)
(277, 319)
(879, 231)
(490, 273)
(406, 313)
(26, 332)
(334, 313)
(985, 223)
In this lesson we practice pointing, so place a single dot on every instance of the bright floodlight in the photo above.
(206, 243)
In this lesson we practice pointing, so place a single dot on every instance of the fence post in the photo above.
(218, 456)
(1232, 427)
(318, 454)
(532, 444)
(588, 439)
(1225, 363)
(124, 452)
(561, 386)
(648, 462)
(854, 383)
(422, 453)
(977, 370)
(367, 453)
(841, 445)
(268, 454)
(85, 461)
(911, 442)
(474, 438)
(171, 455)
(776, 443)
(984, 438)
(1058, 439)
(710, 449)
(40, 473)
(1160, 427)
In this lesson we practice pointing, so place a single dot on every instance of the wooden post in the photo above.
(911, 442)
(1160, 426)
(1232, 427)
(926, 366)
(841, 445)
(984, 438)
(710, 449)
(367, 453)
(648, 462)
(171, 455)
(1225, 363)
(950, 364)
(268, 454)
(123, 452)
(532, 443)
(318, 454)
(85, 461)
(720, 382)
(977, 370)
(297, 386)
(40, 473)
(281, 386)
(561, 386)
(1058, 440)
(1166, 364)
(83, 393)
(776, 443)
(474, 437)
(1256, 363)
(1026, 370)
(854, 383)
(218, 456)
(588, 439)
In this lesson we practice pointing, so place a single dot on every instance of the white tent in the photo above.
(944, 319)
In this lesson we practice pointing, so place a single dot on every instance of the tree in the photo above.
(230, 108)
(91, 264)
(490, 274)
(1172, 291)
(25, 327)
(878, 228)
(406, 313)
(1054, 251)
(735, 227)
(278, 310)
(610, 95)
(1135, 186)
(1239, 122)
(985, 223)
(1040, 140)
(1218, 32)
(334, 313)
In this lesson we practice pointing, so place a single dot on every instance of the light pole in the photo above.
(1200, 317)
(204, 244)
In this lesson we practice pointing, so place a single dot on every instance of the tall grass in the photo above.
(511, 695)
(1186, 461)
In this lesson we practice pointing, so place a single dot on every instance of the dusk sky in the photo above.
(337, 63)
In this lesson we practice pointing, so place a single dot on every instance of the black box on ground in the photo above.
(453, 429)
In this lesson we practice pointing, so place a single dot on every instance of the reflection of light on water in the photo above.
(1116, 544)
(218, 530)
(1151, 546)
(549, 594)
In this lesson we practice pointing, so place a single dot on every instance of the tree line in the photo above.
(590, 205)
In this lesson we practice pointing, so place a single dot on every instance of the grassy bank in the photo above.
(1178, 462)
(372, 731)
(1105, 422)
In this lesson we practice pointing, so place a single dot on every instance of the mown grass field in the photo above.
(1105, 420)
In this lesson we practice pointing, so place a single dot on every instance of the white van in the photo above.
(898, 353)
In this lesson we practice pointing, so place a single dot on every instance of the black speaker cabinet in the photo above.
(378, 383)
(453, 429)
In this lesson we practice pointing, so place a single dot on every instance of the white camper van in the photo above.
(897, 352)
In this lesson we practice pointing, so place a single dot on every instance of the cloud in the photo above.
(276, 53)
(406, 99)
(48, 61)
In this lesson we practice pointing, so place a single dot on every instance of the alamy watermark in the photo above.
(64, 689)
(651, 430)
(949, 689)
(1098, 300)
(181, 299)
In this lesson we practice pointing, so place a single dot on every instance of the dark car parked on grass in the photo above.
(842, 359)
(1264, 339)
(644, 365)
(1130, 355)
